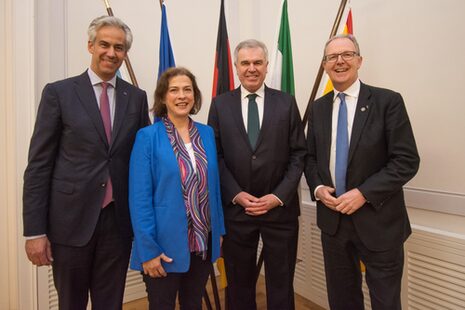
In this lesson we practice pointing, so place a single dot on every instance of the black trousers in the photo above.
(342, 254)
(190, 285)
(98, 268)
(279, 253)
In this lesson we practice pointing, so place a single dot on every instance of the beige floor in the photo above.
(300, 302)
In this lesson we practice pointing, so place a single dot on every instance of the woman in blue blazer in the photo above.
(174, 197)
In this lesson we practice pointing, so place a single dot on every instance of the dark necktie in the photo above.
(253, 122)
(342, 147)
(106, 118)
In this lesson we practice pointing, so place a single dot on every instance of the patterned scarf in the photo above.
(194, 186)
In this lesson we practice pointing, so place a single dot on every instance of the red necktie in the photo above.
(105, 113)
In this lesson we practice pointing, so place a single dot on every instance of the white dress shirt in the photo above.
(96, 81)
(352, 94)
(260, 100)
(351, 101)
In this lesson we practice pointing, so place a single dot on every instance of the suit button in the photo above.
(254, 157)
(103, 184)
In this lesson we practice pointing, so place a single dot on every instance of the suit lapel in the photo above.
(268, 115)
(236, 112)
(121, 106)
(361, 115)
(86, 95)
(327, 120)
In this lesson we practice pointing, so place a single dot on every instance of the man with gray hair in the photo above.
(261, 151)
(361, 151)
(75, 197)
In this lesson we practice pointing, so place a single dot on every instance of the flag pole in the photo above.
(336, 24)
(161, 3)
(126, 59)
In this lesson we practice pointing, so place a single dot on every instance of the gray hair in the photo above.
(103, 21)
(351, 37)
(251, 43)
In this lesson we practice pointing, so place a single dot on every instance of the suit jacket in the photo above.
(156, 201)
(276, 163)
(70, 160)
(382, 157)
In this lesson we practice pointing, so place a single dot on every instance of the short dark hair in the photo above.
(159, 107)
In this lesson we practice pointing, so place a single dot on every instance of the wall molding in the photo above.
(419, 198)
(435, 200)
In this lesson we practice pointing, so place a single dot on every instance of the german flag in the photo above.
(223, 79)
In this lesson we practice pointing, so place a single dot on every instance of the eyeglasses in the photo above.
(348, 55)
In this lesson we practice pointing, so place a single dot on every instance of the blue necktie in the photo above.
(253, 126)
(342, 147)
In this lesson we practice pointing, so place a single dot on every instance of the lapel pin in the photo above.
(363, 109)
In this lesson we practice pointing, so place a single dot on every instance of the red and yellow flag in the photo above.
(346, 28)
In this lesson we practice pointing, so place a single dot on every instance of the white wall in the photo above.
(17, 78)
(412, 46)
(412, 50)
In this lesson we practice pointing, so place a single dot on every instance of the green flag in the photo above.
(283, 72)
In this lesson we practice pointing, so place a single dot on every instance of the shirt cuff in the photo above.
(35, 237)
(234, 199)
(314, 192)
(280, 201)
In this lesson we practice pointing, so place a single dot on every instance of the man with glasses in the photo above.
(361, 152)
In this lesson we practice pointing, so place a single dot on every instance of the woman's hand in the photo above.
(153, 267)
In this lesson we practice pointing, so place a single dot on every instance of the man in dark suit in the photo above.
(261, 147)
(75, 199)
(361, 152)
